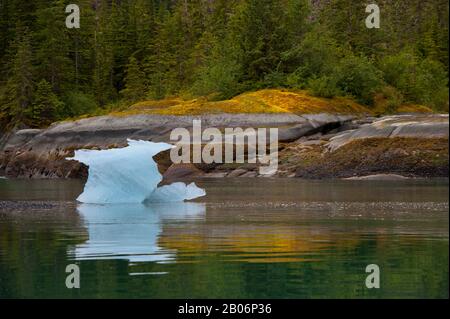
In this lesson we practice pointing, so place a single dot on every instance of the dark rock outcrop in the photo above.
(397, 126)
(311, 146)
(42, 153)
(181, 172)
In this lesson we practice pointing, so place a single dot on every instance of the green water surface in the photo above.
(255, 238)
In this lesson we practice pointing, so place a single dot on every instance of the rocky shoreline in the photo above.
(317, 146)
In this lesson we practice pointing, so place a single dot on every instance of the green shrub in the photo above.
(274, 79)
(46, 107)
(219, 78)
(324, 86)
(77, 103)
(432, 85)
(358, 77)
(314, 57)
(421, 81)
(387, 100)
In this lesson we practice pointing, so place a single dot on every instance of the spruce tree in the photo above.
(16, 95)
(260, 37)
(103, 73)
(135, 87)
(46, 106)
(52, 57)
(160, 62)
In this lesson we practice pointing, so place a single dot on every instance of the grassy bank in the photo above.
(268, 101)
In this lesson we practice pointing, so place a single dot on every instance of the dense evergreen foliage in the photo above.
(137, 49)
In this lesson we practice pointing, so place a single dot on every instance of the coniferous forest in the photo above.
(131, 50)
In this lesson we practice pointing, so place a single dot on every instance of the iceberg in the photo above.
(129, 175)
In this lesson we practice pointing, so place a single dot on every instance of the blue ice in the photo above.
(130, 175)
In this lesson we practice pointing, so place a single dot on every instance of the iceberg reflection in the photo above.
(130, 232)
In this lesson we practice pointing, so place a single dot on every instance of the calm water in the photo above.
(255, 238)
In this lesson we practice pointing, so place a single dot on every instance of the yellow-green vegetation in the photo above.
(390, 101)
(264, 101)
(413, 108)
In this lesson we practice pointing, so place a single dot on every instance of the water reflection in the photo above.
(130, 232)
(282, 239)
